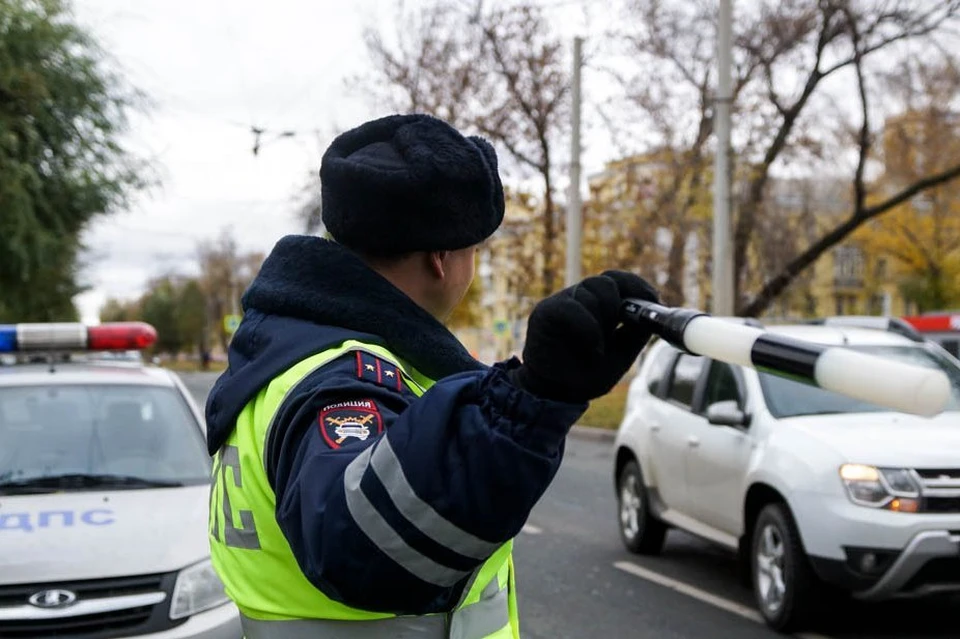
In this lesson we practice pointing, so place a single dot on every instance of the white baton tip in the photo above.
(724, 340)
(871, 378)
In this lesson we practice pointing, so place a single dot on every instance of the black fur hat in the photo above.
(408, 183)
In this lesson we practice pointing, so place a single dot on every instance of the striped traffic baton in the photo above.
(903, 387)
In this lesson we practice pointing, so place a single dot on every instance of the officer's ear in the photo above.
(436, 261)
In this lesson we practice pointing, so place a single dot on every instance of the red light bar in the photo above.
(120, 336)
(934, 323)
(74, 336)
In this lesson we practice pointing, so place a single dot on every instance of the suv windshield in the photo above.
(787, 398)
(86, 436)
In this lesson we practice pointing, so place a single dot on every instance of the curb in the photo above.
(593, 434)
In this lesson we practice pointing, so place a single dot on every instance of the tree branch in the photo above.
(859, 188)
(773, 287)
(747, 218)
(511, 147)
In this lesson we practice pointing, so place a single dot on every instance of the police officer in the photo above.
(370, 475)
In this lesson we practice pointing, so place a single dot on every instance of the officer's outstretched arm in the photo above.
(390, 501)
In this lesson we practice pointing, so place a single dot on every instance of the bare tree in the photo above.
(431, 66)
(848, 35)
(225, 273)
(310, 207)
(500, 72)
(529, 109)
(668, 87)
(791, 60)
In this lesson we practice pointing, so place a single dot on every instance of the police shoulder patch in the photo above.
(345, 422)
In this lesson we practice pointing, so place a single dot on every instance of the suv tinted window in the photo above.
(722, 385)
(685, 375)
(787, 398)
(658, 368)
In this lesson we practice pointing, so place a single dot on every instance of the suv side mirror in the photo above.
(726, 414)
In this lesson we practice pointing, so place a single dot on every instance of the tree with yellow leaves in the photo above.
(921, 238)
(922, 242)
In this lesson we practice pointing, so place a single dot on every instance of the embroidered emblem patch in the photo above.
(355, 420)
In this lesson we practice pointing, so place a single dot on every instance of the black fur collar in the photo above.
(318, 280)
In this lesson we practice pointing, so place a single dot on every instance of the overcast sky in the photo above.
(213, 68)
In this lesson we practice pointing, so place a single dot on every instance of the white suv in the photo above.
(810, 487)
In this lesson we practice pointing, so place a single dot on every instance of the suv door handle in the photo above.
(692, 441)
(655, 428)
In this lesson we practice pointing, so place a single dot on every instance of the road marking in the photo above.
(690, 591)
(530, 529)
(702, 595)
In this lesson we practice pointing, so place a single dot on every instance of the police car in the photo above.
(104, 491)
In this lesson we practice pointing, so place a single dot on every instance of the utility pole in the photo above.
(574, 212)
(723, 302)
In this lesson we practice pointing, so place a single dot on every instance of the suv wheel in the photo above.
(783, 584)
(641, 532)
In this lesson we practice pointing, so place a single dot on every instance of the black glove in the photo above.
(576, 349)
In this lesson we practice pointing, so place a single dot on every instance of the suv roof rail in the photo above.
(877, 322)
(747, 321)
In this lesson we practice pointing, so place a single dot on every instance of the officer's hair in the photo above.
(372, 258)
(380, 259)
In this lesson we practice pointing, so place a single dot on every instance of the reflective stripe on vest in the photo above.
(262, 576)
(386, 466)
(476, 621)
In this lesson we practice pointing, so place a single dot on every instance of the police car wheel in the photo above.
(641, 532)
(784, 585)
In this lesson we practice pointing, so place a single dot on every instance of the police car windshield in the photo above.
(787, 398)
(85, 437)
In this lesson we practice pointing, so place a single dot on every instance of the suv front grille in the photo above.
(940, 488)
(939, 474)
(137, 619)
(941, 505)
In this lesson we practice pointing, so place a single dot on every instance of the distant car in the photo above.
(812, 489)
(942, 327)
(104, 492)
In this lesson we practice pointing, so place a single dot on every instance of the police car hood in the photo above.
(312, 294)
(92, 535)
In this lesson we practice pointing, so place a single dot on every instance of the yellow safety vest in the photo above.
(261, 574)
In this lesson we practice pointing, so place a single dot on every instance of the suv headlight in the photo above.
(888, 488)
(198, 588)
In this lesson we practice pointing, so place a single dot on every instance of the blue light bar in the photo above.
(8, 338)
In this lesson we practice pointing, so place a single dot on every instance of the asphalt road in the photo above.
(576, 580)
